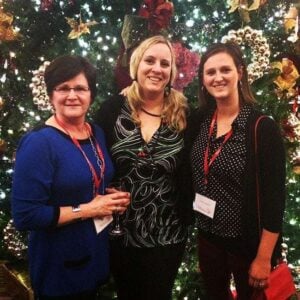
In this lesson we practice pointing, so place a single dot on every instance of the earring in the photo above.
(204, 90)
(167, 90)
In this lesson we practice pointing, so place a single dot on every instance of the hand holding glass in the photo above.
(117, 228)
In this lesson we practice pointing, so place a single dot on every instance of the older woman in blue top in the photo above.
(61, 171)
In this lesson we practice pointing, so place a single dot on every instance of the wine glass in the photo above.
(117, 228)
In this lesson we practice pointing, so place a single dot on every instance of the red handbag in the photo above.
(281, 284)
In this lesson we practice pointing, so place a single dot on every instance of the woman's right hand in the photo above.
(105, 205)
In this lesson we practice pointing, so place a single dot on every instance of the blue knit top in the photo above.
(50, 172)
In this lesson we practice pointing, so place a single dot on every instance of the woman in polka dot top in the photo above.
(221, 135)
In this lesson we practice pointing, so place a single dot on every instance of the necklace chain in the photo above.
(99, 162)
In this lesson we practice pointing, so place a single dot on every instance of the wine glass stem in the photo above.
(117, 217)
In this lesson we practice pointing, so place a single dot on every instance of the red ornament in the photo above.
(159, 13)
(187, 63)
(288, 129)
(46, 5)
(122, 76)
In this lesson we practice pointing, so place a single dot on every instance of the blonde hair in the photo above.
(175, 104)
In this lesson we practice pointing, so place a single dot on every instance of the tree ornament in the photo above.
(296, 162)
(46, 5)
(7, 32)
(291, 24)
(38, 88)
(158, 13)
(295, 122)
(288, 76)
(187, 63)
(79, 28)
(14, 241)
(244, 7)
(3, 147)
(244, 4)
(259, 46)
(1, 102)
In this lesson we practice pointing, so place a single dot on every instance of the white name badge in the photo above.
(204, 205)
(101, 223)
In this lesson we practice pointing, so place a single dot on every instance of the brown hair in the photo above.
(66, 67)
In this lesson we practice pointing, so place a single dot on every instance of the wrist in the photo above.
(76, 210)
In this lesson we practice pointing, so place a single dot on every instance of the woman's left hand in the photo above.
(259, 273)
(260, 268)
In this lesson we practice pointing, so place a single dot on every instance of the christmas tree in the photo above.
(105, 31)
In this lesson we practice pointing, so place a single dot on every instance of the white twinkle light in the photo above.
(3, 78)
(190, 23)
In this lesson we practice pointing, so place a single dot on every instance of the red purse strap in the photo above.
(256, 172)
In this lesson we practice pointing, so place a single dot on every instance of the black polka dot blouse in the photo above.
(225, 177)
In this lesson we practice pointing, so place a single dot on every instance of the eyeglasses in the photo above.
(65, 90)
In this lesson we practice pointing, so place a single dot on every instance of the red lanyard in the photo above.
(99, 153)
(208, 162)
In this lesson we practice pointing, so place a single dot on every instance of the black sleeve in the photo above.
(272, 170)
(184, 173)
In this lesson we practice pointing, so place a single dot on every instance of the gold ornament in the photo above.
(259, 46)
(1, 103)
(38, 88)
(79, 28)
(289, 74)
(244, 7)
(3, 147)
(296, 164)
(7, 32)
(291, 24)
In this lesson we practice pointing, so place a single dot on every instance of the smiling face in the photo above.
(154, 70)
(72, 106)
(221, 76)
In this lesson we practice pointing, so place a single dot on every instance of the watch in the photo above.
(76, 208)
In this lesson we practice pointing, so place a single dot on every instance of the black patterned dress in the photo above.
(147, 170)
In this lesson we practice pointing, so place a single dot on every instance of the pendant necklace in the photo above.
(143, 152)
